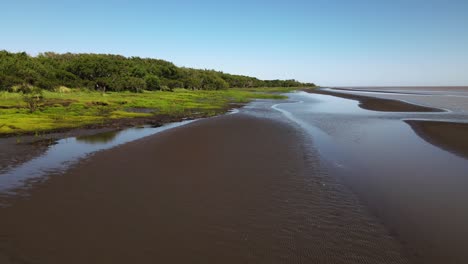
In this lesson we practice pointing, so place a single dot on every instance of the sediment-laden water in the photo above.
(311, 179)
(416, 188)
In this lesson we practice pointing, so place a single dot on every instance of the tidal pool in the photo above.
(68, 151)
(417, 189)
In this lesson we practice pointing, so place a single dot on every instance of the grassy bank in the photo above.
(62, 110)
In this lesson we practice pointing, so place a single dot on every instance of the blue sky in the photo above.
(331, 43)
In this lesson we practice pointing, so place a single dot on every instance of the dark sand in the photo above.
(417, 190)
(16, 149)
(406, 89)
(19, 149)
(233, 189)
(450, 136)
(377, 104)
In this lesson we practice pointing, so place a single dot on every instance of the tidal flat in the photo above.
(310, 178)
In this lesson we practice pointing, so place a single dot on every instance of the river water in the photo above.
(418, 190)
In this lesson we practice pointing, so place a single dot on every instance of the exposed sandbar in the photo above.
(450, 136)
(233, 189)
(377, 104)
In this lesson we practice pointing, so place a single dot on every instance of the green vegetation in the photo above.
(104, 73)
(33, 97)
(60, 91)
(80, 107)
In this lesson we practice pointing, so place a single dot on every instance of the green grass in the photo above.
(273, 89)
(79, 107)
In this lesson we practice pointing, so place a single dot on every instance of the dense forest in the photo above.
(105, 72)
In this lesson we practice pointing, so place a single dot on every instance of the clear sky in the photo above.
(329, 42)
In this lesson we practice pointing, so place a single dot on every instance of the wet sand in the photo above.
(20, 148)
(409, 89)
(233, 189)
(377, 104)
(253, 188)
(416, 187)
(450, 136)
(453, 99)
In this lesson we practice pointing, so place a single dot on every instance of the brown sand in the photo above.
(234, 189)
(20, 148)
(377, 104)
(450, 136)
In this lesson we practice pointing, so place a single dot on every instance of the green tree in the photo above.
(153, 82)
(115, 73)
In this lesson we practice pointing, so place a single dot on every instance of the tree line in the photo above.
(105, 72)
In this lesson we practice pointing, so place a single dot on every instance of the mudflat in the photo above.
(232, 189)
(447, 98)
(376, 104)
(447, 135)
(406, 175)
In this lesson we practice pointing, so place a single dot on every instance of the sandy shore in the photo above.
(450, 136)
(17, 149)
(416, 187)
(453, 99)
(377, 104)
(233, 189)
(240, 189)
(447, 135)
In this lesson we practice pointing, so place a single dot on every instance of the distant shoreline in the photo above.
(450, 136)
(464, 87)
(377, 104)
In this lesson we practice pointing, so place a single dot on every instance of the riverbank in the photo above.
(237, 198)
(279, 181)
(376, 104)
(24, 135)
(62, 111)
(21, 148)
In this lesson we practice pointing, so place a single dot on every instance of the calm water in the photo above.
(68, 151)
(418, 190)
(454, 99)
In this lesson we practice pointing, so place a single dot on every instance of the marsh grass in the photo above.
(76, 108)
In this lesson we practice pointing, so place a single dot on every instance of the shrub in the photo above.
(32, 96)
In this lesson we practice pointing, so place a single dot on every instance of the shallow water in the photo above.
(66, 152)
(454, 99)
(417, 189)
(234, 190)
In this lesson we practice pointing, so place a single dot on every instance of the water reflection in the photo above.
(68, 151)
(416, 188)
(105, 137)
